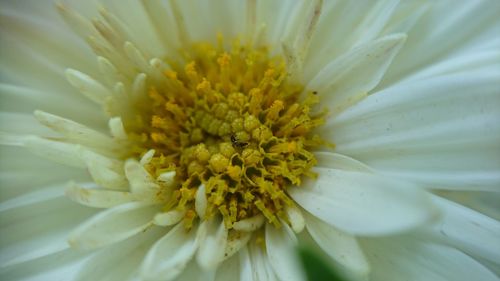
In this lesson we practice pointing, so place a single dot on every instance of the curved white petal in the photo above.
(468, 230)
(27, 235)
(426, 46)
(362, 203)
(348, 79)
(280, 248)
(140, 180)
(119, 261)
(212, 248)
(113, 225)
(169, 256)
(396, 259)
(236, 240)
(340, 246)
(254, 264)
(97, 198)
(228, 270)
(441, 131)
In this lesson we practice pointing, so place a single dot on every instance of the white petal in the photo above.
(340, 246)
(296, 218)
(97, 198)
(236, 240)
(254, 264)
(344, 25)
(146, 158)
(75, 132)
(113, 225)
(349, 78)
(88, 86)
(396, 259)
(59, 152)
(470, 231)
(228, 270)
(105, 171)
(170, 255)
(249, 224)
(117, 129)
(25, 233)
(140, 180)
(212, 248)
(280, 246)
(169, 218)
(200, 202)
(425, 46)
(119, 261)
(364, 204)
(441, 132)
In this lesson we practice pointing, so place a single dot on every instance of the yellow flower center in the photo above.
(232, 122)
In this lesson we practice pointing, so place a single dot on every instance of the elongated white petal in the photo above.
(88, 86)
(168, 178)
(212, 248)
(353, 75)
(296, 218)
(236, 240)
(105, 171)
(228, 270)
(73, 131)
(59, 152)
(249, 224)
(340, 246)
(97, 198)
(200, 202)
(119, 261)
(468, 230)
(169, 218)
(78, 23)
(146, 158)
(396, 259)
(113, 225)
(280, 249)
(140, 180)
(21, 227)
(342, 162)
(441, 132)
(364, 204)
(169, 256)
(136, 57)
(117, 129)
(254, 264)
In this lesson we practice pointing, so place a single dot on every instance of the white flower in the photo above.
(200, 154)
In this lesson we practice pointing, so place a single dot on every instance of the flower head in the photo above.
(214, 142)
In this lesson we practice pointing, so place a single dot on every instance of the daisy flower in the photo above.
(202, 140)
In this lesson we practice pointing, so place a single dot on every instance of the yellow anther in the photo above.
(234, 172)
(226, 149)
(201, 153)
(170, 74)
(204, 86)
(251, 122)
(275, 110)
(218, 163)
(251, 156)
(224, 60)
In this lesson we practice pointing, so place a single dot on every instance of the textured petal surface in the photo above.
(340, 246)
(363, 203)
(468, 230)
(280, 250)
(169, 255)
(395, 259)
(113, 225)
(441, 132)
